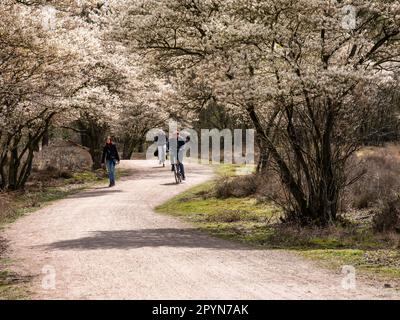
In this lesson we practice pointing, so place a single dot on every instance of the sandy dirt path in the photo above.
(109, 244)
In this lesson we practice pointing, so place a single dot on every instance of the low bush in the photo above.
(5, 207)
(387, 216)
(66, 175)
(239, 187)
(49, 174)
(265, 188)
(380, 181)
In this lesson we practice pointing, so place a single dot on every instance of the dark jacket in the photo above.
(179, 144)
(110, 152)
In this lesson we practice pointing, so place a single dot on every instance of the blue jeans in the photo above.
(111, 170)
(182, 168)
(180, 158)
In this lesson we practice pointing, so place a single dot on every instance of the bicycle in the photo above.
(177, 172)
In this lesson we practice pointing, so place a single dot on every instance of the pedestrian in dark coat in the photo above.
(110, 159)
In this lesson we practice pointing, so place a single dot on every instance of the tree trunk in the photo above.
(46, 138)
(128, 148)
(26, 170)
(3, 164)
(302, 211)
(93, 136)
(13, 169)
(262, 165)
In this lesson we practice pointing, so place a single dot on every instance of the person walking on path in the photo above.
(161, 140)
(110, 158)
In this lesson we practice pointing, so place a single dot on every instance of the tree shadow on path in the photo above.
(100, 192)
(133, 239)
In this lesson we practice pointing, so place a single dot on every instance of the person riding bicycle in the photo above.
(176, 148)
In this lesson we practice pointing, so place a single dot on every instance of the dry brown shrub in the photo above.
(380, 181)
(239, 187)
(6, 209)
(387, 216)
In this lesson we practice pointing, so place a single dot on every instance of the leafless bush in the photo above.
(387, 216)
(63, 155)
(56, 173)
(49, 175)
(380, 181)
(270, 188)
(5, 207)
(240, 187)
(264, 187)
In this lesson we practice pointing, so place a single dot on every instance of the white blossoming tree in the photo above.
(295, 68)
(37, 78)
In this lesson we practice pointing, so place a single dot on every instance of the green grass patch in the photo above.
(12, 286)
(98, 176)
(86, 177)
(32, 201)
(360, 259)
(232, 170)
(340, 256)
(238, 219)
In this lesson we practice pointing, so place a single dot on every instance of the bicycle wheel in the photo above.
(178, 170)
(179, 177)
(176, 174)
